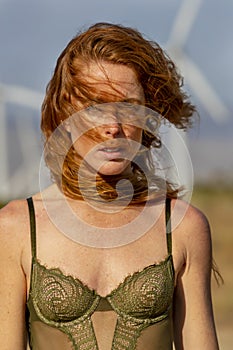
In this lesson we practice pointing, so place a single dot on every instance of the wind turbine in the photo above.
(12, 184)
(198, 83)
(182, 26)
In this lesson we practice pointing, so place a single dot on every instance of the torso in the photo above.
(100, 268)
(103, 270)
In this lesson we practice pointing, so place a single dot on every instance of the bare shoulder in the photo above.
(14, 226)
(189, 219)
(191, 231)
(14, 211)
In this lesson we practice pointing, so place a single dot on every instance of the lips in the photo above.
(111, 149)
(112, 152)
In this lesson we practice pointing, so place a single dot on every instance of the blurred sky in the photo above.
(33, 33)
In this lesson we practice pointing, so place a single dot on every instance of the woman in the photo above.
(107, 257)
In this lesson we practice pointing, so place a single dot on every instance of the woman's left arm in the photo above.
(194, 326)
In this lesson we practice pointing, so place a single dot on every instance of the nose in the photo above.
(112, 129)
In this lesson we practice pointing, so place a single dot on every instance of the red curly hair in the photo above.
(115, 44)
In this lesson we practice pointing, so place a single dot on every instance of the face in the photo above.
(118, 138)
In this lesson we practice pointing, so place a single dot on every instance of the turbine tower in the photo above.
(15, 183)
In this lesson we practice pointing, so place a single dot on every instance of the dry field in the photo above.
(218, 207)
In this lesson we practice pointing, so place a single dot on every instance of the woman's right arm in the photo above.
(12, 276)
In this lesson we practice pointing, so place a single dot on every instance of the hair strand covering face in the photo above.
(68, 89)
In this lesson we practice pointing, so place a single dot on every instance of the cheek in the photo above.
(134, 134)
(82, 145)
(86, 142)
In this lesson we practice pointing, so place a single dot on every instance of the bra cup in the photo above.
(59, 297)
(145, 295)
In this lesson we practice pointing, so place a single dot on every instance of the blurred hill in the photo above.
(217, 204)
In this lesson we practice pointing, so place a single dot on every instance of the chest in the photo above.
(101, 269)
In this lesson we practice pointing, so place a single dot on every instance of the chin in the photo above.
(114, 169)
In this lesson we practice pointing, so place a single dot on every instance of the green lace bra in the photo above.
(60, 307)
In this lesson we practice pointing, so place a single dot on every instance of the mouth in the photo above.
(111, 149)
(113, 153)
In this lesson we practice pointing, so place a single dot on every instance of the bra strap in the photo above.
(168, 225)
(32, 226)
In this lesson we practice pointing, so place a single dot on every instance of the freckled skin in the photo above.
(124, 83)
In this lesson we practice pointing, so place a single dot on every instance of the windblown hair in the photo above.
(115, 44)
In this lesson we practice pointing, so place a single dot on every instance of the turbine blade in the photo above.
(203, 90)
(183, 22)
(21, 95)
